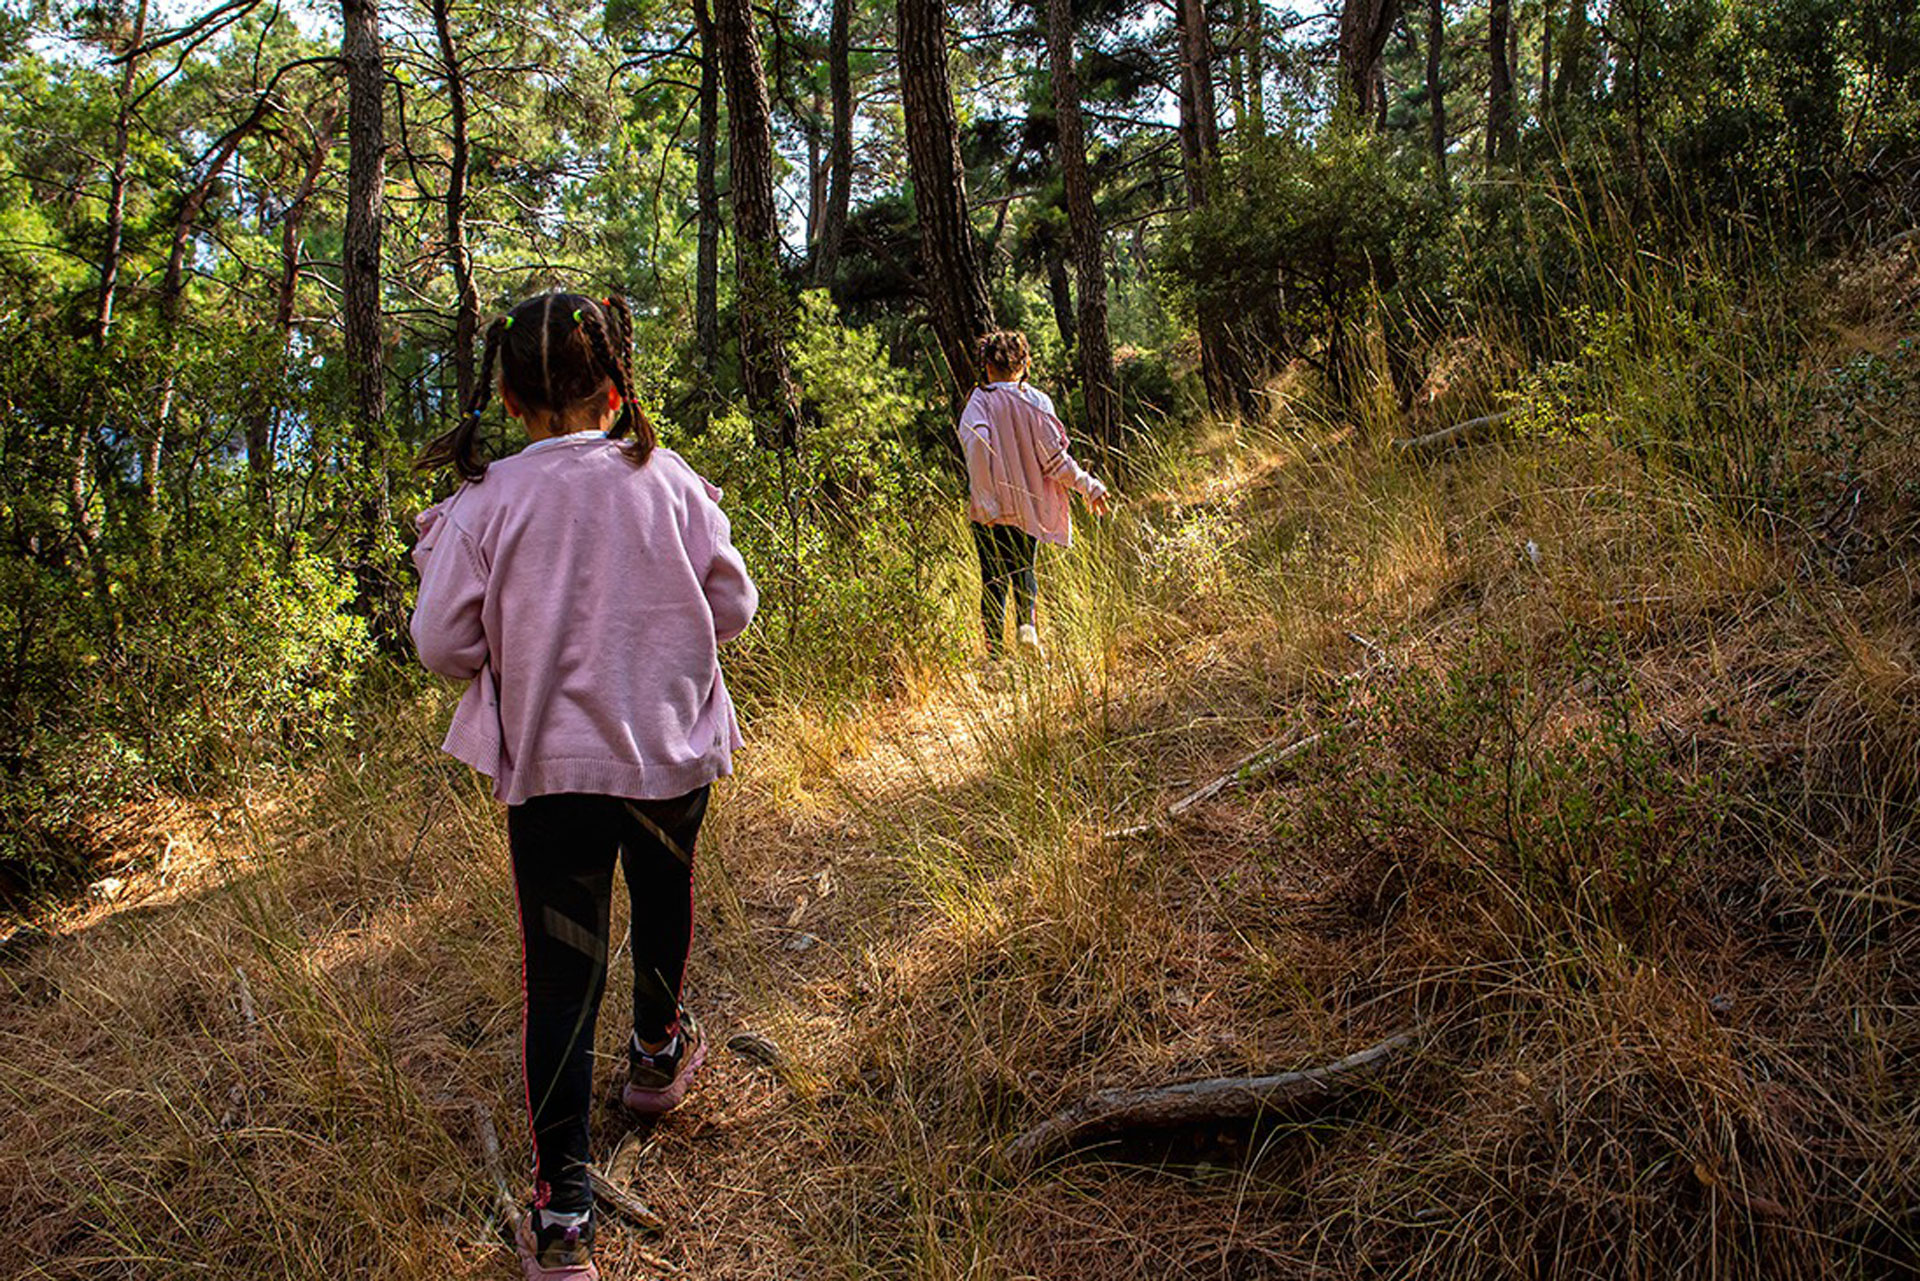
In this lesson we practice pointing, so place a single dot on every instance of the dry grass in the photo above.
(1625, 821)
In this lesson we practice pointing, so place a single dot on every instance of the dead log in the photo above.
(1220, 1099)
(1447, 435)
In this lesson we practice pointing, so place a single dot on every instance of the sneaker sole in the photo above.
(653, 1102)
(530, 1267)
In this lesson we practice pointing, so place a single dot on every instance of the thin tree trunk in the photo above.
(1236, 68)
(1094, 353)
(1437, 89)
(172, 293)
(1501, 132)
(706, 272)
(119, 177)
(1255, 37)
(466, 313)
(763, 304)
(1060, 294)
(361, 276)
(1220, 367)
(1546, 57)
(840, 154)
(956, 286)
(1364, 28)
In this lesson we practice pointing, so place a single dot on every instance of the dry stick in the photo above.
(1114, 1112)
(496, 1166)
(1900, 239)
(606, 1191)
(1246, 769)
(1455, 432)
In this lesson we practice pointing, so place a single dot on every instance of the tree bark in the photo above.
(1060, 294)
(951, 274)
(706, 272)
(1255, 36)
(118, 178)
(1093, 353)
(840, 155)
(360, 273)
(1502, 135)
(466, 307)
(1437, 89)
(763, 304)
(1220, 366)
(1364, 28)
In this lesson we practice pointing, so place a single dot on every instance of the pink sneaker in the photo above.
(555, 1253)
(657, 1082)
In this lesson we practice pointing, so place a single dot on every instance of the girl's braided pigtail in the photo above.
(613, 352)
(459, 447)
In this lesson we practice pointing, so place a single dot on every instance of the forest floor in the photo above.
(1612, 804)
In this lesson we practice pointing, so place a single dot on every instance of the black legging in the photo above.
(1006, 557)
(563, 854)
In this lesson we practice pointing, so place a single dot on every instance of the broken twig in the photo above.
(1446, 435)
(1247, 768)
(503, 1201)
(607, 1192)
(1114, 1112)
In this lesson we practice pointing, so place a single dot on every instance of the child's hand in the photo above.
(1100, 505)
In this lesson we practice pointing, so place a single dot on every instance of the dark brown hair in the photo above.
(1004, 349)
(554, 351)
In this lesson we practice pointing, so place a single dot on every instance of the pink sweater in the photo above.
(585, 600)
(1018, 468)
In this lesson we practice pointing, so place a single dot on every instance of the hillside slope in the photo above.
(1612, 801)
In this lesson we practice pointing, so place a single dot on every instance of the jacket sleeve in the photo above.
(1060, 467)
(976, 446)
(447, 630)
(729, 589)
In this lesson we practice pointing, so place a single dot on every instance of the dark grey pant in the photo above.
(564, 848)
(1007, 554)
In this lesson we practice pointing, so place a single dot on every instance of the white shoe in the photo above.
(1029, 640)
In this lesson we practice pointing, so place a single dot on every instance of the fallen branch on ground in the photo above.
(1246, 769)
(1455, 432)
(503, 1201)
(1220, 1099)
(617, 1195)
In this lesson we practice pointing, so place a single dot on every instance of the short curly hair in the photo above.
(1004, 349)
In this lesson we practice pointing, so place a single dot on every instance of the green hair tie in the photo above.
(507, 323)
(576, 315)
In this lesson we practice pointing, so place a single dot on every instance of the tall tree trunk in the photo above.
(1060, 295)
(1220, 366)
(762, 295)
(840, 155)
(173, 287)
(1094, 353)
(1255, 36)
(1364, 28)
(706, 272)
(1236, 68)
(1502, 134)
(956, 286)
(1546, 57)
(466, 306)
(360, 272)
(118, 176)
(1437, 89)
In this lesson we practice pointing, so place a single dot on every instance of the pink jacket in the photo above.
(1018, 468)
(585, 600)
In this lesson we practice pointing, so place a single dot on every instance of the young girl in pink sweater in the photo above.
(582, 587)
(1019, 474)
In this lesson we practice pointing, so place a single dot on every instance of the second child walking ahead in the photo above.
(1019, 476)
(582, 588)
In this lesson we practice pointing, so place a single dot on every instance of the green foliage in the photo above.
(1301, 234)
(846, 539)
(1534, 776)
